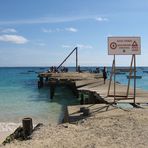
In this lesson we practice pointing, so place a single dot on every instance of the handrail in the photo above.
(69, 56)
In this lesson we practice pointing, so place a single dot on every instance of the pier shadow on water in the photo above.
(63, 96)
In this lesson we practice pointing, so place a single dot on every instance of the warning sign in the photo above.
(113, 45)
(134, 46)
(124, 45)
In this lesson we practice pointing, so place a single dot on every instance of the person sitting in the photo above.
(97, 70)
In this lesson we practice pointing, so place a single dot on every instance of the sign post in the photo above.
(123, 46)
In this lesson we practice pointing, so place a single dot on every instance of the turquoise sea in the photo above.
(20, 97)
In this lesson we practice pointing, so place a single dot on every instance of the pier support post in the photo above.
(52, 89)
(92, 98)
(40, 82)
(74, 89)
(82, 99)
(27, 126)
(65, 119)
(46, 79)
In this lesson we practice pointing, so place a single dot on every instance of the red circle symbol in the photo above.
(113, 45)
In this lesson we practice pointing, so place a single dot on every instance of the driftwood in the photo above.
(37, 127)
(19, 134)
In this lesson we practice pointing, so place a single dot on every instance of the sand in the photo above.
(3, 135)
(110, 129)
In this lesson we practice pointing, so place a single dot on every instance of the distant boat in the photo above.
(132, 77)
(30, 71)
(24, 73)
(120, 73)
(42, 68)
(124, 69)
(145, 71)
(141, 68)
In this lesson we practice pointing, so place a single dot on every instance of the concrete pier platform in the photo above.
(93, 82)
(101, 89)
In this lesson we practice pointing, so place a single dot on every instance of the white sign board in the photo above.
(124, 45)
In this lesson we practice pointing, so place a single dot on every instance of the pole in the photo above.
(112, 71)
(130, 73)
(134, 78)
(76, 59)
(114, 79)
(66, 58)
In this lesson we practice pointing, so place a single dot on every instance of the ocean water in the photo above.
(20, 97)
(140, 83)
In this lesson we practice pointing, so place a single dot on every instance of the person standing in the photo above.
(104, 74)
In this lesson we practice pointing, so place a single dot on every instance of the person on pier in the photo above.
(104, 74)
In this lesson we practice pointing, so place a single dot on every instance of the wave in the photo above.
(8, 127)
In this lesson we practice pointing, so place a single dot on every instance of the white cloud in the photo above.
(66, 46)
(49, 20)
(8, 30)
(82, 46)
(40, 44)
(16, 39)
(71, 29)
(51, 30)
(109, 35)
(43, 20)
(101, 19)
(59, 30)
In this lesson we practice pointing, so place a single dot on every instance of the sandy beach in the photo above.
(113, 128)
(3, 135)
(6, 129)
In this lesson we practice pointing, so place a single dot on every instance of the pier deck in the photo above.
(71, 76)
(93, 82)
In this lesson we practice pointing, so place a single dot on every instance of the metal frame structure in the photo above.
(75, 49)
(113, 73)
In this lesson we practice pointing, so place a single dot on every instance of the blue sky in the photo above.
(44, 32)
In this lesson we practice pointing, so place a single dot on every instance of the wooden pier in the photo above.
(91, 84)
